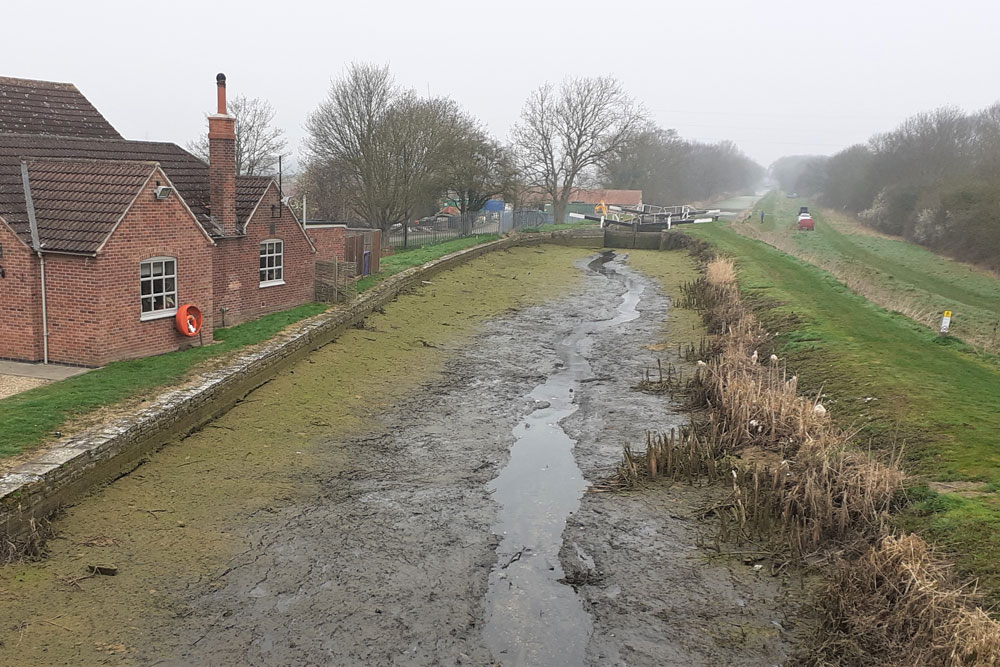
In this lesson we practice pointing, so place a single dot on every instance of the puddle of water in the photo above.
(531, 618)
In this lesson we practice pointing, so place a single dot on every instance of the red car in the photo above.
(806, 222)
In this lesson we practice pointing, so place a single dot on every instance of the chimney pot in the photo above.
(220, 81)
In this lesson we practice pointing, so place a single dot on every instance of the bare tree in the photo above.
(475, 167)
(563, 134)
(329, 191)
(258, 142)
(388, 141)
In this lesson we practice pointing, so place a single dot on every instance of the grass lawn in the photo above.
(556, 228)
(29, 417)
(894, 381)
(404, 259)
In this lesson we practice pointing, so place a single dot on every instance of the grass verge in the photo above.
(556, 228)
(407, 258)
(30, 417)
(894, 382)
(898, 275)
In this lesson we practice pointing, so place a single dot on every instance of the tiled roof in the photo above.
(42, 122)
(46, 107)
(78, 202)
(249, 190)
(188, 174)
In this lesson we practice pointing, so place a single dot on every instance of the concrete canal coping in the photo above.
(60, 472)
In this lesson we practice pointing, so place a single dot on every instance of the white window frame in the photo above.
(153, 293)
(277, 266)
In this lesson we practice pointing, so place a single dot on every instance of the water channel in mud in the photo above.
(531, 617)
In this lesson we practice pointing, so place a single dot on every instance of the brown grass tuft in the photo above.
(898, 604)
(721, 271)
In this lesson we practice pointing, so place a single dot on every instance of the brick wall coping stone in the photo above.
(60, 472)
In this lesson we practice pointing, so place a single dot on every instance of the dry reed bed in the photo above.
(805, 485)
(897, 605)
(800, 487)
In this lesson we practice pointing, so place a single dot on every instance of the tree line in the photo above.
(378, 153)
(934, 179)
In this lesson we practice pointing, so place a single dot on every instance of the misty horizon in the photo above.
(777, 79)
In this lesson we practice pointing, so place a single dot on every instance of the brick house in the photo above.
(102, 238)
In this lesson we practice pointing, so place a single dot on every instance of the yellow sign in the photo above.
(947, 313)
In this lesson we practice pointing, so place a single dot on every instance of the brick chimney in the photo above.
(222, 163)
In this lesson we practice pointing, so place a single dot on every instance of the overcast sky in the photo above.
(775, 76)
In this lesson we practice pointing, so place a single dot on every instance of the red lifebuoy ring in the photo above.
(188, 320)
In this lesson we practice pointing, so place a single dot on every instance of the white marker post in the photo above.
(946, 322)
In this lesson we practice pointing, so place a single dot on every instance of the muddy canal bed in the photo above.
(396, 560)
(353, 519)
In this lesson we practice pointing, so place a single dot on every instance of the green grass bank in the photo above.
(896, 383)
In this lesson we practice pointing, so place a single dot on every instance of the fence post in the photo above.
(406, 233)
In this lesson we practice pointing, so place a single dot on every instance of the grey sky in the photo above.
(777, 77)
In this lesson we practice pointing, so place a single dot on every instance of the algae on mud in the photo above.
(174, 523)
(672, 271)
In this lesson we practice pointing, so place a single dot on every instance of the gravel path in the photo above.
(15, 384)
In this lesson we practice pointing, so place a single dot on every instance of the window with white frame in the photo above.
(271, 263)
(158, 287)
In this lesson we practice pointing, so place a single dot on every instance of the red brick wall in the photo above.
(236, 281)
(20, 309)
(93, 302)
(222, 170)
(329, 242)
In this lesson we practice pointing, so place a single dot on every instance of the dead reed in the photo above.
(799, 486)
(899, 604)
(682, 455)
(27, 546)
(667, 380)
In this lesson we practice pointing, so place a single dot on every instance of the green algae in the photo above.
(671, 270)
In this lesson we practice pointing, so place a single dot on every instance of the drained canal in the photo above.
(533, 618)
(415, 494)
